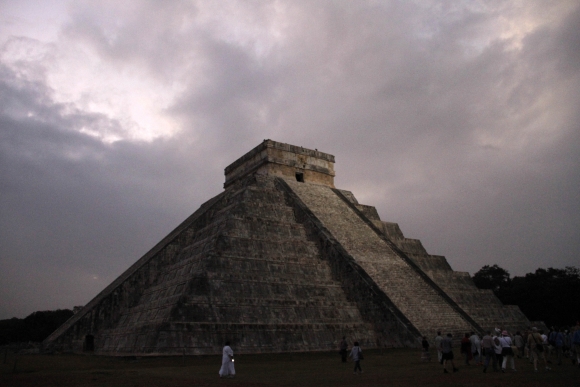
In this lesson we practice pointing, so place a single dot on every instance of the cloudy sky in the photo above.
(459, 120)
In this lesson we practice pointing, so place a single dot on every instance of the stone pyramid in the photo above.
(281, 261)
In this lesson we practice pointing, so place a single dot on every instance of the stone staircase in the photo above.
(481, 304)
(415, 297)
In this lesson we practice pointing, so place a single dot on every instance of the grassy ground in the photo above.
(396, 367)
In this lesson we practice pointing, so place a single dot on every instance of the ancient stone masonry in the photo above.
(280, 261)
(277, 159)
(481, 304)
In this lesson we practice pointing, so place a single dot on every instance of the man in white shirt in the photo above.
(476, 348)
(438, 339)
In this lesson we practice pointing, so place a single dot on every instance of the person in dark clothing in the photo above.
(447, 353)
(466, 348)
(488, 347)
(343, 349)
(425, 355)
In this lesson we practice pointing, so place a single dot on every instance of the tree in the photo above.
(35, 327)
(549, 295)
(492, 277)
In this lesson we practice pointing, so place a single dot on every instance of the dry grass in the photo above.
(397, 367)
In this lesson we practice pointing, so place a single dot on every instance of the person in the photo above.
(447, 353)
(506, 350)
(547, 348)
(527, 351)
(425, 355)
(227, 370)
(466, 348)
(497, 347)
(519, 343)
(438, 339)
(356, 355)
(343, 349)
(536, 343)
(476, 348)
(575, 343)
(489, 351)
(559, 345)
(567, 343)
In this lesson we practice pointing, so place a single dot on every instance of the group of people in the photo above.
(355, 354)
(497, 347)
(228, 370)
(500, 348)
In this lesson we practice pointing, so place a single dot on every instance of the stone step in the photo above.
(481, 304)
(258, 248)
(271, 278)
(273, 229)
(298, 260)
(239, 266)
(250, 338)
(254, 289)
(236, 313)
(411, 294)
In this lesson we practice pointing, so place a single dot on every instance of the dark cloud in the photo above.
(77, 212)
(467, 139)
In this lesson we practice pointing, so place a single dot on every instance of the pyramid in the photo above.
(281, 261)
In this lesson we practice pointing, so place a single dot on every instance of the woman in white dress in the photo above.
(227, 370)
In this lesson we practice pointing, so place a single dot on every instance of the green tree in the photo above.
(35, 327)
(549, 295)
(492, 277)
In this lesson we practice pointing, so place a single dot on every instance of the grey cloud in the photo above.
(472, 148)
(74, 208)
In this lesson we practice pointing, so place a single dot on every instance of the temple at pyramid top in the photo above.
(284, 160)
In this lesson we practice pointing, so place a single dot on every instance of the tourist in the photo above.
(425, 355)
(528, 351)
(227, 370)
(488, 348)
(343, 349)
(567, 344)
(559, 344)
(447, 353)
(536, 344)
(547, 349)
(575, 343)
(519, 343)
(476, 348)
(466, 348)
(438, 339)
(357, 356)
(497, 346)
(506, 350)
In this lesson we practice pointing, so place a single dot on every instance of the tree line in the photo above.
(35, 327)
(549, 295)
